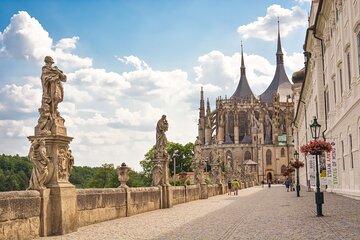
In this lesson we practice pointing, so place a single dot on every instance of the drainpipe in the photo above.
(323, 76)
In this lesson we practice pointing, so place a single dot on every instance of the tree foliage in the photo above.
(15, 172)
(182, 154)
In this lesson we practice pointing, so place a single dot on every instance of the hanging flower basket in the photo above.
(297, 164)
(316, 147)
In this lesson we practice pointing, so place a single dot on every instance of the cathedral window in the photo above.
(283, 152)
(247, 155)
(268, 157)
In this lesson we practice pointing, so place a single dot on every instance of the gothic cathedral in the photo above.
(250, 136)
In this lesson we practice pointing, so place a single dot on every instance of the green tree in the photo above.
(105, 177)
(138, 179)
(81, 176)
(182, 154)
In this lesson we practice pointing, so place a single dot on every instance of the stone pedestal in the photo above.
(203, 191)
(167, 197)
(58, 200)
(59, 210)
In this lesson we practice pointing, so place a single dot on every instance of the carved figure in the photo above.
(38, 156)
(157, 174)
(161, 140)
(45, 121)
(197, 148)
(51, 78)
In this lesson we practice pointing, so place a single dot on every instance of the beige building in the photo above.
(248, 133)
(331, 91)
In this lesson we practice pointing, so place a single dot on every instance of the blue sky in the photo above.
(128, 62)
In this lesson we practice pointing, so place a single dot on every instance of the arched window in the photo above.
(247, 155)
(231, 126)
(351, 152)
(283, 152)
(268, 157)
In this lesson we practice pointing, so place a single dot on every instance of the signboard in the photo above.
(322, 170)
(328, 168)
(311, 161)
(334, 172)
(282, 139)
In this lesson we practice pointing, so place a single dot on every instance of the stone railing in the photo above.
(21, 212)
(20, 215)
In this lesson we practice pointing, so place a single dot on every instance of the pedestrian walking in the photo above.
(262, 183)
(287, 184)
(269, 183)
(229, 187)
(235, 185)
(291, 186)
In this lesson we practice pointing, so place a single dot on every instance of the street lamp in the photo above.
(319, 196)
(296, 156)
(175, 154)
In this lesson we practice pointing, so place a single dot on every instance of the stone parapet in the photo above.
(20, 215)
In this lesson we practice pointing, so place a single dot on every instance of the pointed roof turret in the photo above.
(243, 90)
(280, 83)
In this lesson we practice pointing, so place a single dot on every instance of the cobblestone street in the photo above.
(256, 213)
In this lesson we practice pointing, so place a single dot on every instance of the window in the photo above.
(349, 68)
(327, 102)
(342, 152)
(247, 155)
(358, 45)
(283, 152)
(334, 85)
(341, 81)
(350, 151)
(268, 157)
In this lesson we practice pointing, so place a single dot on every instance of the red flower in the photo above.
(315, 147)
(297, 164)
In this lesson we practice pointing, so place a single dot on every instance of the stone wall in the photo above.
(143, 199)
(20, 212)
(98, 205)
(20, 215)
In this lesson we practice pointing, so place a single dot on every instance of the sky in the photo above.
(129, 62)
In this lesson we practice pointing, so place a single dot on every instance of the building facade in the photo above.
(331, 91)
(248, 135)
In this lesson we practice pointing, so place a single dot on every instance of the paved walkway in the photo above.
(256, 213)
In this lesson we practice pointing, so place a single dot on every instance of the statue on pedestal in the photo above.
(161, 140)
(40, 160)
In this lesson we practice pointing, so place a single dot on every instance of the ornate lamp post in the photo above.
(319, 196)
(297, 166)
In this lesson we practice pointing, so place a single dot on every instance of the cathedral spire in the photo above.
(202, 104)
(242, 68)
(243, 90)
(280, 85)
(279, 53)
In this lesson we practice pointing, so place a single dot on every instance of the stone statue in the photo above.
(65, 164)
(197, 148)
(161, 140)
(53, 92)
(38, 157)
(157, 174)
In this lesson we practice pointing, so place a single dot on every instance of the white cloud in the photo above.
(15, 129)
(135, 61)
(224, 71)
(25, 38)
(295, 61)
(144, 116)
(20, 98)
(265, 28)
